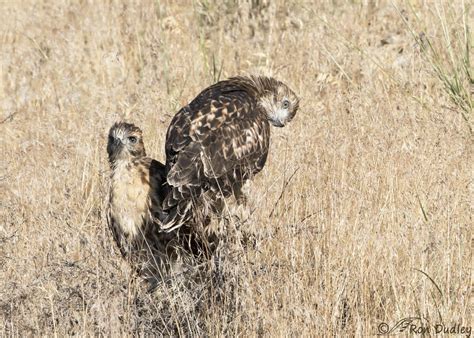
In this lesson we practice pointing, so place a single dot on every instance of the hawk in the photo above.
(219, 141)
(135, 197)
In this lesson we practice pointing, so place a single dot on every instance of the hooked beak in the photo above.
(277, 123)
(113, 147)
(116, 144)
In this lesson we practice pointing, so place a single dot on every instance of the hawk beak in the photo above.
(116, 145)
(277, 123)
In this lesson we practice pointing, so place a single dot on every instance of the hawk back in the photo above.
(213, 144)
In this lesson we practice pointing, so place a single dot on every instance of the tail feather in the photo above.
(176, 217)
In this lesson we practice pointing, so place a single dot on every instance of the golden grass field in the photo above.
(362, 215)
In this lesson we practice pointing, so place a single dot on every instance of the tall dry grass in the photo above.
(375, 224)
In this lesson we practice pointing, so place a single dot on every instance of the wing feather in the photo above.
(220, 132)
(221, 128)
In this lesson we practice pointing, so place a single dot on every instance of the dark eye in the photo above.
(132, 139)
(285, 104)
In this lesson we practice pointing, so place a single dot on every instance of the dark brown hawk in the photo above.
(220, 140)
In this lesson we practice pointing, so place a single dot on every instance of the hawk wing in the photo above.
(220, 133)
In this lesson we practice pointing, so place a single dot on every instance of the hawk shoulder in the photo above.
(216, 132)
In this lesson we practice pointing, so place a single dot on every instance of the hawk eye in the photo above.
(286, 104)
(132, 139)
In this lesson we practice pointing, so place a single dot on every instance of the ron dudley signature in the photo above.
(414, 325)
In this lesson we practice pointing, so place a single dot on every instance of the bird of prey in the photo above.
(219, 141)
(135, 197)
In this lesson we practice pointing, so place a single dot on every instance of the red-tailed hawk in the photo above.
(135, 197)
(220, 140)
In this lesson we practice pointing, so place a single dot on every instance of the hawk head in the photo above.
(278, 101)
(125, 142)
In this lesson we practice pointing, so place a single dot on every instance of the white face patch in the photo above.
(279, 110)
(119, 133)
(281, 115)
(276, 114)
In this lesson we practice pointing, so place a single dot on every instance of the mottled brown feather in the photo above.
(216, 143)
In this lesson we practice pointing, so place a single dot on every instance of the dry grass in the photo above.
(383, 186)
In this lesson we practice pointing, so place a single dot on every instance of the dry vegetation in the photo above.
(374, 225)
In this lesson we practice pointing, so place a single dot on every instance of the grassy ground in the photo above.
(375, 224)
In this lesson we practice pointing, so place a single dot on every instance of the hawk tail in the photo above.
(176, 217)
